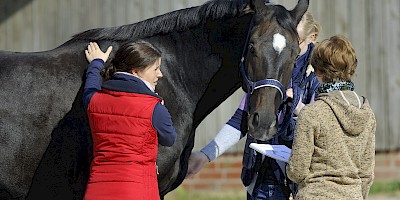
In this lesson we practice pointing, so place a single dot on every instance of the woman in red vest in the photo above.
(127, 119)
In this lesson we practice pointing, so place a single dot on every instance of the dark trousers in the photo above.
(268, 192)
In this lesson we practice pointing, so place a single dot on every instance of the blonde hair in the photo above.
(310, 26)
(334, 59)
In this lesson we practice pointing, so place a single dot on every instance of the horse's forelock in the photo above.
(285, 20)
(174, 21)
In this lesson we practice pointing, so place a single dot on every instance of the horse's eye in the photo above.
(251, 48)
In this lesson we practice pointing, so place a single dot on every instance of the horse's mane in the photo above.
(174, 21)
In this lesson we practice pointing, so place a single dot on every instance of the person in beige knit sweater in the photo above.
(333, 153)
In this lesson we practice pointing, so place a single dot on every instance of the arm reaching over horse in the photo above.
(97, 59)
(227, 137)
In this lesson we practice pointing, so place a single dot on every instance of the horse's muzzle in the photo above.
(261, 129)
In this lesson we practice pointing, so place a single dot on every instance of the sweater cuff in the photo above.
(225, 139)
(98, 60)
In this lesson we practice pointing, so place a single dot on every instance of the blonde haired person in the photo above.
(333, 153)
(308, 30)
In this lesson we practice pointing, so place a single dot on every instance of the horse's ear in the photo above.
(298, 11)
(258, 6)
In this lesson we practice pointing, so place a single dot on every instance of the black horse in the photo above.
(45, 142)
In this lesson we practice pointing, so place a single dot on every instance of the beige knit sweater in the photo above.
(333, 155)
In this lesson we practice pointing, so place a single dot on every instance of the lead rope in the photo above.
(287, 111)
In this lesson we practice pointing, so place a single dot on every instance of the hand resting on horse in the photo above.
(93, 51)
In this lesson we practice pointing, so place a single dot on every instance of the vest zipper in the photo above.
(157, 169)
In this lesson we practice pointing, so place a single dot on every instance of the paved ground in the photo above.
(385, 197)
(238, 195)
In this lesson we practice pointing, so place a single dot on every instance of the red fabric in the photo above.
(124, 146)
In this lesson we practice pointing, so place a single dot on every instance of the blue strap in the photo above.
(288, 121)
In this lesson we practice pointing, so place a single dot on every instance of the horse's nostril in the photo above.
(256, 120)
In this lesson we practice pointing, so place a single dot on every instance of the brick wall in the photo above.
(224, 172)
(221, 174)
(387, 166)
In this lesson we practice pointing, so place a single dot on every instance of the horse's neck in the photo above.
(205, 69)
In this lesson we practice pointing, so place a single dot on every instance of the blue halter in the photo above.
(250, 86)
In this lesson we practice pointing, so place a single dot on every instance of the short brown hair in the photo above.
(334, 59)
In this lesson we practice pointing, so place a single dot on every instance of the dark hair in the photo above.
(335, 59)
(131, 55)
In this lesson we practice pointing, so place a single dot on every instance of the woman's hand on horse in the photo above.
(93, 51)
(196, 162)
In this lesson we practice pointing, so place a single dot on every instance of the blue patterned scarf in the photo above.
(329, 87)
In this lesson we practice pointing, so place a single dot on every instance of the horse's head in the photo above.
(269, 60)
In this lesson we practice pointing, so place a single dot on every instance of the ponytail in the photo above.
(109, 70)
(131, 55)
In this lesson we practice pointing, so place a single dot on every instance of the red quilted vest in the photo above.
(124, 146)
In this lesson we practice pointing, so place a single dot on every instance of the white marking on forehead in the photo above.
(279, 42)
